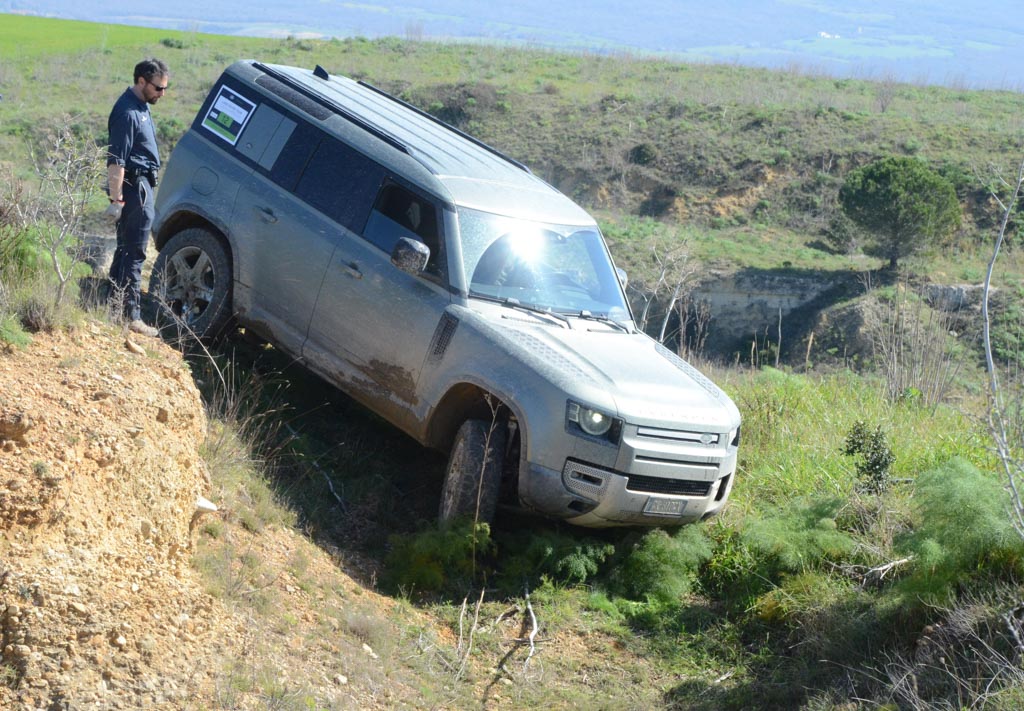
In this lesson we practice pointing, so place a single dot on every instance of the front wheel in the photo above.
(473, 478)
(192, 282)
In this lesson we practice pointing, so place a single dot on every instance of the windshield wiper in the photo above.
(514, 303)
(603, 318)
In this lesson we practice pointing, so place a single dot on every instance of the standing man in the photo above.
(132, 164)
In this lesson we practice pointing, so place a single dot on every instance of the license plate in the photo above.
(665, 507)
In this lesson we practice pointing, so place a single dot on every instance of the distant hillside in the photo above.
(940, 42)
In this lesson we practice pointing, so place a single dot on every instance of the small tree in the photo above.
(675, 272)
(902, 203)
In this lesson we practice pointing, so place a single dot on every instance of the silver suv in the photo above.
(444, 286)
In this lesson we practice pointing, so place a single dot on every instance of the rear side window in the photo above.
(289, 163)
(340, 182)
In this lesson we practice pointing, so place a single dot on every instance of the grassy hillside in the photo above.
(868, 526)
(745, 163)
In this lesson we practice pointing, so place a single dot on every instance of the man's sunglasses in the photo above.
(156, 86)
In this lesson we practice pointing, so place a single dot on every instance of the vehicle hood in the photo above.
(647, 383)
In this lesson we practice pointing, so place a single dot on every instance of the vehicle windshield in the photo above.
(565, 269)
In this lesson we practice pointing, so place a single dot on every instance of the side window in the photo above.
(293, 156)
(340, 182)
(399, 212)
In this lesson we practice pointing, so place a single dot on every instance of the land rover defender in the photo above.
(446, 287)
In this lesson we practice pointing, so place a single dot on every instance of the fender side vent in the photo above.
(443, 335)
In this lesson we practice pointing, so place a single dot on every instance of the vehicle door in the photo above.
(289, 216)
(380, 317)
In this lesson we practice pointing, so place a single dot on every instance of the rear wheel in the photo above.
(192, 283)
(473, 478)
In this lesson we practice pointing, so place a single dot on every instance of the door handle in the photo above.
(352, 269)
(265, 214)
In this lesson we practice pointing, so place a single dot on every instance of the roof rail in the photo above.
(332, 105)
(438, 121)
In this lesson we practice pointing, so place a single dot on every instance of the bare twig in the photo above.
(472, 632)
(875, 576)
(1014, 626)
(69, 172)
(1012, 467)
(330, 484)
(462, 618)
(533, 628)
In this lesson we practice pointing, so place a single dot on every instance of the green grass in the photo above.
(794, 430)
(24, 38)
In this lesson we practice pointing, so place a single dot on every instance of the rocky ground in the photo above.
(101, 602)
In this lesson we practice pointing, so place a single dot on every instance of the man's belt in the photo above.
(133, 174)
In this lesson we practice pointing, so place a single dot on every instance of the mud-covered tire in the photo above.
(472, 480)
(192, 284)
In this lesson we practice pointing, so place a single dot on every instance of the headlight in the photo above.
(594, 422)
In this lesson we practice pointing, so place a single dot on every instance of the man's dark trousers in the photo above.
(132, 237)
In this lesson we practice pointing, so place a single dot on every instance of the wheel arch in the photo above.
(188, 219)
(464, 401)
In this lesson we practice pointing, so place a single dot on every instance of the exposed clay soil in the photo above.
(101, 605)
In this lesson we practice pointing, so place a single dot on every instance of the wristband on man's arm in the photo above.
(119, 202)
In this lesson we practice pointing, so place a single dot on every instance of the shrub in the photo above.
(661, 568)
(173, 43)
(874, 456)
(797, 538)
(565, 559)
(963, 534)
(12, 332)
(842, 234)
(643, 154)
(438, 560)
(731, 574)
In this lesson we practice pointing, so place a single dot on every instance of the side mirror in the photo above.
(623, 279)
(410, 255)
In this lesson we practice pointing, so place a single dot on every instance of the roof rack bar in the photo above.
(333, 106)
(438, 121)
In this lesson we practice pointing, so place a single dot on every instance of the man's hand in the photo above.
(113, 211)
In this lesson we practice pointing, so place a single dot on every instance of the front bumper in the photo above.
(659, 477)
(625, 500)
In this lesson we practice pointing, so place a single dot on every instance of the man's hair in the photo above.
(149, 68)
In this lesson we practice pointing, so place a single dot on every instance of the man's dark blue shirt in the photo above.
(132, 134)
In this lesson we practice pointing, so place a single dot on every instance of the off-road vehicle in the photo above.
(447, 288)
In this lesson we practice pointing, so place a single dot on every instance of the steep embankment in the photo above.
(100, 478)
(101, 601)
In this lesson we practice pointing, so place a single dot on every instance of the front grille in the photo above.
(659, 485)
(705, 438)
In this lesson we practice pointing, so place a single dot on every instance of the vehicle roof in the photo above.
(459, 168)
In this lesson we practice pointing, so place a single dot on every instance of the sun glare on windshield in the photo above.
(527, 245)
(560, 268)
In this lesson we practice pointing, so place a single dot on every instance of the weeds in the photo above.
(913, 348)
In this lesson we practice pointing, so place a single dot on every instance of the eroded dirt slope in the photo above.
(100, 605)
(100, 478)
